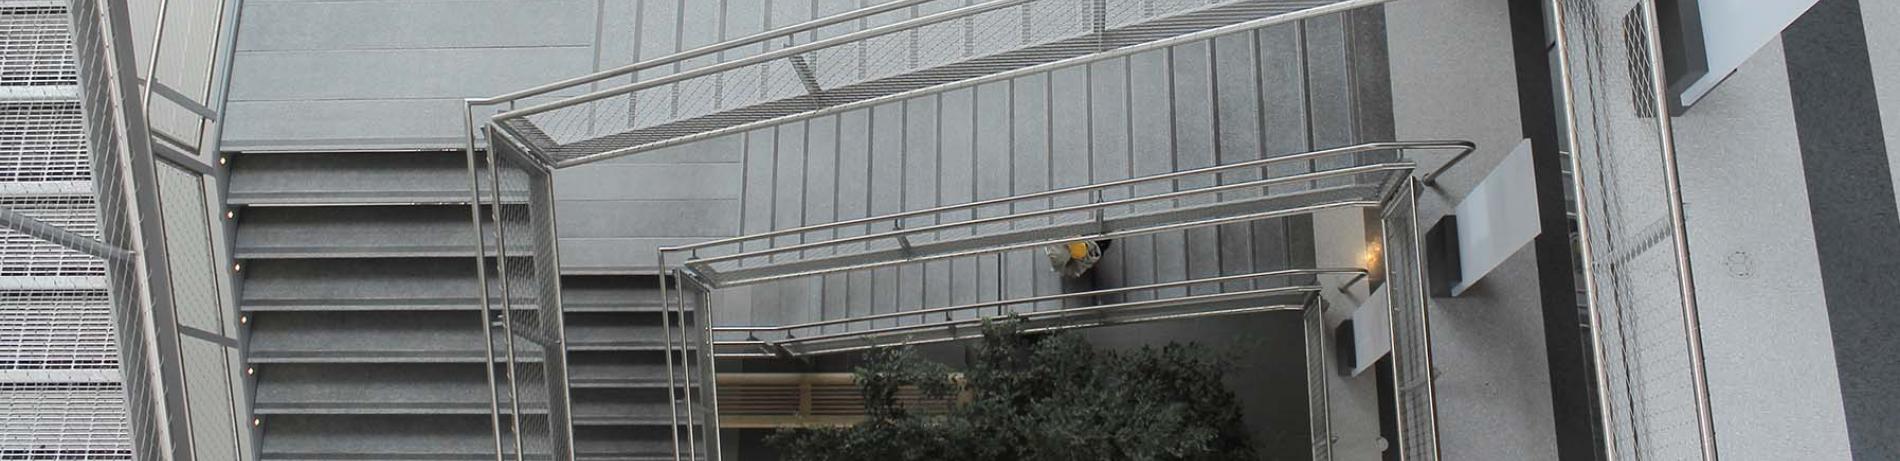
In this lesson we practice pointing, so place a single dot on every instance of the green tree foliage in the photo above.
(1040, 397)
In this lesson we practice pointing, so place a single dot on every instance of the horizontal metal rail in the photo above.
(1463, 148)
(956, 328)
(1054, 297)
(1300, 15)
(682, 56)
(1395, 166)
(887, 29)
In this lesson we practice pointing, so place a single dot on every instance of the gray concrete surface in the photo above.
(1453, 77)
(1757, 273)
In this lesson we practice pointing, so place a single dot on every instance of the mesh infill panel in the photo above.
(824, 74)
(1642, 333)
(35, 45)
(42, 141)
(56, 329)
(1411, 329)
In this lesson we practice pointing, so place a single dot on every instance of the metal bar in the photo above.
(1462, 146)
(708, 367)
(182, 101)
(1394, 166)
(1560, 31)
(727, 45)
(1691, 315)
(1054, 297)
(548, 270)
(996, 77)
(686, 370)
(1059, 313)
(672, 390)
(765, 57)
(507, 315)
(481, 279)
(976, 334)
(60, 236)
(1130, 233)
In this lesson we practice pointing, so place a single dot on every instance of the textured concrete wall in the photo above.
(1757, 274)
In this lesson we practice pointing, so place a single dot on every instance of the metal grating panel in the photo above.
(68, 421)
(22, 255)
(36, 45)
(1411, 329)
(56, 329)
(43, 141)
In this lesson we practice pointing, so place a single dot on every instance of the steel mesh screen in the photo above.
(1641, 330)
(1319, 414)
(529, 334)
(1411, 328)
(801, 72)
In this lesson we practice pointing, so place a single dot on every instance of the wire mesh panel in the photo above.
(1648, 348)
(529, 333)
(803, 74)
(35, 44)
(1318, 402)
(1411, 327)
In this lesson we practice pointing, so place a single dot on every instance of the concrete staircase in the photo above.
(360, 289)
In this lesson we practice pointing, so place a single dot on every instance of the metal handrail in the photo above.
(1464, 149)
(1068, 209)
(681, 56)
(1301, 15)
(783, 53)
(1054, 297)
(1057, 313)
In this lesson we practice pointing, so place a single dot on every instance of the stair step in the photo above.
(360, 284)
(371, 337)
(353, 178)
(367, 437)
(358, 232)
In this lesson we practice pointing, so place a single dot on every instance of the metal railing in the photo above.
(980, 43)
(833, 65)
(1368, 179)
(1651, 382)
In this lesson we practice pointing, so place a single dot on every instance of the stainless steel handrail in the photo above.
(1301, 15)
(724, 46)
(1068, 209)
(899, 26)
(1056, 313)
(1054, 297)
(1464, 149)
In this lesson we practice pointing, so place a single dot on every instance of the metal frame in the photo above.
(696, 280)
(142, 250)
(695, 275)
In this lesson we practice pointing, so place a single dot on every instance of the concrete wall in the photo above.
(1757, 273)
